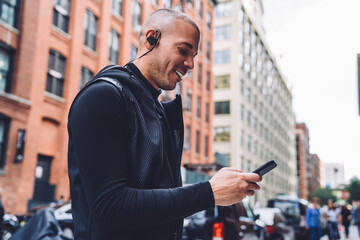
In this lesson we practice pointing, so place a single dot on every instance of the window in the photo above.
(167, 3)
(207, 110)
(197, 146)
(133, 52)
(242, 109)
(61, 14)
(117, 6)
(206, 146)
(208, 49)
(248, 117)
(86, 76)
(56, 73)
(199, 74)
(222, 107)
(200, 8)
(114, 42)
(222, 81)
(208, 79)
(208, 20)
(240, 36)
(188, 102)
(248, 142)
(222, 32)
(248, 94)
(4, 131)
(136, 17)
(90, 26)
(198, 106)
(222, 57)
(187, 138)
(255, 124)
(222, 134)
(240, 59)
(9, 12)
(5, 70)
(223, 10)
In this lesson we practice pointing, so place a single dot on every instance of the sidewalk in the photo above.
(353, 234)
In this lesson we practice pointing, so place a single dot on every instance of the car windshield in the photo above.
(289, 209)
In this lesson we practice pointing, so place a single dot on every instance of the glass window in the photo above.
(248, 94)
(247, 47)
(117, 6)
(9, 12)
(5, 70)
(136, 16)
(187, 138)
(208, 50)
(56, 73)
(248, 143)
(223, 10)
(197, 146)
(208, 80)
(240, 59)
(222, 57)
(200, 8)
(198, 106)
(222, 134)
(208, 19)
(199, 76)
(222, 32)
(114, 42)
(242, 109)
(188, 102)
(167, 3)
(255, 124)
(4, 131)
(207, 112)
(248, 117)
(133, 52)
(86, 76)
(222, 81)
(222, 107)
(206, 146)
(61, 14)
(90, 26)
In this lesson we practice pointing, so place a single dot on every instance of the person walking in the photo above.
(125, 146)
(313, 219)
(346, 218)
(332, 215)
(356, 216)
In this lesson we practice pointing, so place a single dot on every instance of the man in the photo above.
(356, 216)
(125, 146)
(313, 219)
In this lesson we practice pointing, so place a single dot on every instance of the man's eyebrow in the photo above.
(187, 44)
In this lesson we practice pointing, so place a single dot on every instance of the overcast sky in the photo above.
(318, 41)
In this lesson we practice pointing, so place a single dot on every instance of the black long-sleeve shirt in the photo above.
(123, 184)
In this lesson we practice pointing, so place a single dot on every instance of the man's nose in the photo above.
(189, 63)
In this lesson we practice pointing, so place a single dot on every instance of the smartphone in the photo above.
(267, 167)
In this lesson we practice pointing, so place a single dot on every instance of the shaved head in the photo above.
(163, 20)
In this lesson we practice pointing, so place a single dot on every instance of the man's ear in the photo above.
(151, 38)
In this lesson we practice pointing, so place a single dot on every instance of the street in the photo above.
(353, 234)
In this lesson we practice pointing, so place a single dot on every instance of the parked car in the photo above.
(294, 209)
(9, 226)
(233, 222)
(276, 226)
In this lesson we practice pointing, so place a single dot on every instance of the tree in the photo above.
(324, 194)
(354, 189)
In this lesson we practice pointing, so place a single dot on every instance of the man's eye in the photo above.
(182, 51)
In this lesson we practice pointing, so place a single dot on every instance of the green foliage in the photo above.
(354, 189)
(325, 194)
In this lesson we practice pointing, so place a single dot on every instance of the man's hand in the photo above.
(230, 185)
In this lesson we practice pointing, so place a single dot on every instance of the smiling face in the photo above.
(173, 56)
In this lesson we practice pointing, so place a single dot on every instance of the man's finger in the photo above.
(252, 177)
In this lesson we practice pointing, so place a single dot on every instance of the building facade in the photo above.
(315, 180)
(48, 51)
(334, 175)
(254, 120)
(303, 160)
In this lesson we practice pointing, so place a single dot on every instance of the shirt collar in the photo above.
(154, 92)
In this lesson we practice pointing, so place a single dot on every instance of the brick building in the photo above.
(48, 51)
(315, 180)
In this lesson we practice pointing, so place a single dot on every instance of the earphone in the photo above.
(153, 41)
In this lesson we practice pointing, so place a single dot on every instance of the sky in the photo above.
(316, 43)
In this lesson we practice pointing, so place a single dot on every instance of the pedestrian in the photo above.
(332, 214)
(356, 216)
(346, 218)
(125, 145)
(313, 219)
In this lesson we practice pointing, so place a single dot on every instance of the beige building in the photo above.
(254, 120)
